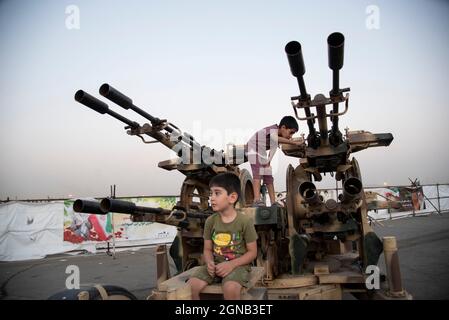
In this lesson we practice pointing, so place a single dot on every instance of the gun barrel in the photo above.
(335, 45)
(101, 107)
(296, 62)
(88, 206)
(115, 96)
(295, 58)
(352, 190)
(125, 102)
(176, 135)
(308, 191)
(120, 206)
(91, 102)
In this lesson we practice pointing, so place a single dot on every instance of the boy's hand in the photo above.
(211, 268)
(224, 268)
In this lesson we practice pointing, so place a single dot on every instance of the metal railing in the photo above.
(437, 207)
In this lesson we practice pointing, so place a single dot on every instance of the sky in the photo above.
(217, 70)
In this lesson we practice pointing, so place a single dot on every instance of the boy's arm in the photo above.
(271, 155)
(209, 257)
(282, 140)
(248, 257)
(224, 268)
(207, 252)
(289, 141)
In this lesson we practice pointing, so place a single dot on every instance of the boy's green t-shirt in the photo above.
(229, 239)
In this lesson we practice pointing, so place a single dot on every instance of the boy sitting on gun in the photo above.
(229, 241)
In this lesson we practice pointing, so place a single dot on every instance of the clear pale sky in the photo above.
(216, 69)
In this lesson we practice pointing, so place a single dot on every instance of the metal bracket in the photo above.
(307, 104)
(145, 141)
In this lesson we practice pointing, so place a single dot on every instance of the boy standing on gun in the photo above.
(265, 139)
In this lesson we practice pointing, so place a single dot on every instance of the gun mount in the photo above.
(309, 243)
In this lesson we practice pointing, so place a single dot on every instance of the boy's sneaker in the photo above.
(259, 203)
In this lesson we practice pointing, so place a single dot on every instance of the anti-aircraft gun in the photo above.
(327, 151)
(311, 248)
(331, 238)
(198, 163)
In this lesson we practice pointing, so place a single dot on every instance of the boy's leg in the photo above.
(233, 282)
(256, 165)
(269, 182)
(198, 281)
(196, 285)
(256, 189)
(231, 290)
(270, 188)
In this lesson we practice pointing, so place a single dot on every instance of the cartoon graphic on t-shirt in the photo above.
(227, 245)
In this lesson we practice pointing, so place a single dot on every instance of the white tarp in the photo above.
(444, 192)
(431, 192)
(31, 231)
(35, 230)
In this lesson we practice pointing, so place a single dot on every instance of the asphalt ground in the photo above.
(423, 243)
(423, 251)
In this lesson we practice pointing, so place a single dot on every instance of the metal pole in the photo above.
(336, 189)
(438, 196)
(113, 228)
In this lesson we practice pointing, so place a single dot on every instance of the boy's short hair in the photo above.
(228, 181)
(289, 122)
